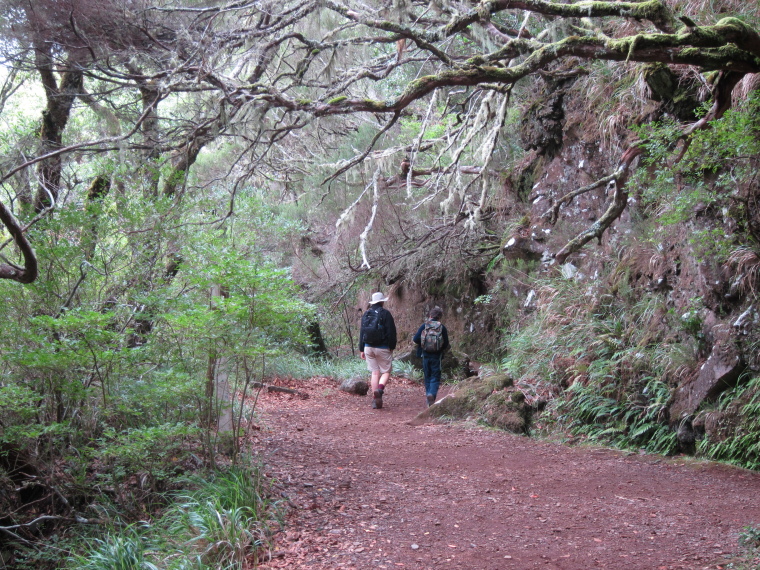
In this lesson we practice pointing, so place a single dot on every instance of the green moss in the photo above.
(337, 100)
(502, 411)
(498, 381)
(457, 407)
(303, 101)
(732, 22)
(518, 397)
(375, 105)
(509, 421)
(493, 400)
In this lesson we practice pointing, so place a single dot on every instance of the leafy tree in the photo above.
(278, 77)
(130, 199)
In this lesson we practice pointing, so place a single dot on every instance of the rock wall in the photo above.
(699, 289)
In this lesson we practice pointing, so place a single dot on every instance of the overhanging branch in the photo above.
(29, 272)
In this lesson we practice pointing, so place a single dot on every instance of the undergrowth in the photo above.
(748, 557)
(740, 445)
(222, 525)
(297, 366)
(605, 362)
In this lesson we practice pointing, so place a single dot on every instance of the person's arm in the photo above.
(361, 340)
(390, 325)
(417, 339)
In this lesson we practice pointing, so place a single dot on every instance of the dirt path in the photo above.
(375, 492)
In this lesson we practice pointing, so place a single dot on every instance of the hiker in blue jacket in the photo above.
(377, 340)
(432, 340)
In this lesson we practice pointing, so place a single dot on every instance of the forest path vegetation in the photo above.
(372, 491)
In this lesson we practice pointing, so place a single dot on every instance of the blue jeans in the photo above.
(431, 367)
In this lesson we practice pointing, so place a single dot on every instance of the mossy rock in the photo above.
(458, 406)
(506, 410)
(493, 399)
(509, 421)
(518, 397)
(499, 381)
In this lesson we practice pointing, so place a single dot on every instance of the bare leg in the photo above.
(375, 379)
(383, 379)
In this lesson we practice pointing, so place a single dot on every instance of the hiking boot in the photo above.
(430, 400)
(377, 402)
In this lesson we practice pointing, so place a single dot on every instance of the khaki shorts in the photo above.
(378, 359)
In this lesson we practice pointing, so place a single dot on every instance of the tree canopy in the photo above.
(282, 82)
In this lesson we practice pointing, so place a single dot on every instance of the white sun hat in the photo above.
(378, 298)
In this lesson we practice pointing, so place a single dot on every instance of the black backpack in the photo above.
(373, 326)
(432, 337)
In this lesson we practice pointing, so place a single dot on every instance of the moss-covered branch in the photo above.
(729, 45)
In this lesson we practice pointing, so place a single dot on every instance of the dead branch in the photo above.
(357, 159)
(280, 389)
(616, 207)
(722, 90)
(553, 213)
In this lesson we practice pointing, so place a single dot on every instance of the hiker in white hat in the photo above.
(377, 340)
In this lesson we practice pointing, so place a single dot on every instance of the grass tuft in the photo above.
(223, 524)
(305, 367)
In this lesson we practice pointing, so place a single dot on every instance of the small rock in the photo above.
(415, 546)
(355, 385)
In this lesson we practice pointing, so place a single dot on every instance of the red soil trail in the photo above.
(372, 491)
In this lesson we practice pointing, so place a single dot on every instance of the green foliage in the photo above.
(638, 421)
(126, 550)
(408, 370)
(220, 525)
(298, 366)
(224, 522)
(705, 179)
(748, 557)
(741, 445)
(104, 360)
(750, 537)
(410, 128)
(155, 450)
(602, 362)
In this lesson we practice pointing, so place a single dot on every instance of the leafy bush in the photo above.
(153, 450)
(705, 178)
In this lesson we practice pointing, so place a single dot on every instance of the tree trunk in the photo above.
(60, 99)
